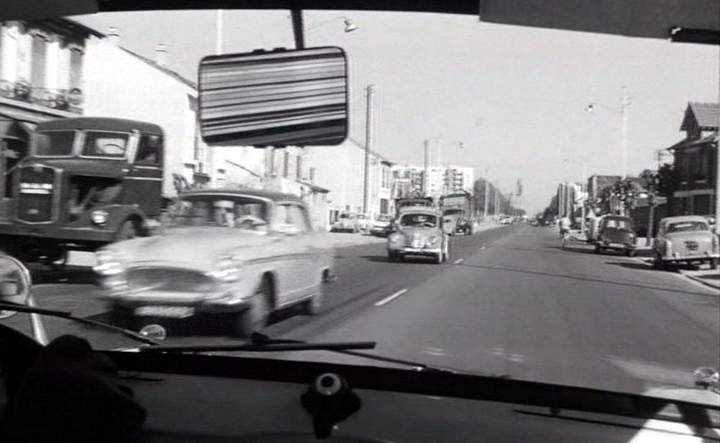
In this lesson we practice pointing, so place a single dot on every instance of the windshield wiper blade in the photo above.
(69, 316)
(269, 347)
(263, 343)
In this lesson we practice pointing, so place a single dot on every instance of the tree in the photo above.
(668, 182)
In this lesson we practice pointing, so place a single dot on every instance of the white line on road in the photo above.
(458, 261)
(391, 297)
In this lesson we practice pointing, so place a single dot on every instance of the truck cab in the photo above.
(86, 182)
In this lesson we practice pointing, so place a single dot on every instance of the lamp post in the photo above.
(623, 111)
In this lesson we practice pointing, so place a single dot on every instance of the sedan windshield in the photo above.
(687, 226)
(221, 211)
(418, 220)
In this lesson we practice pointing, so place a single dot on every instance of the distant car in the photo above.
(419, 233)
(382, 226)
(686, 239)
(616, 233)
(364, 222)
(346, 222)
(237, 253)
(506, 221)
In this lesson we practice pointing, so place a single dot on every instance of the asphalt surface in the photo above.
(510, 303)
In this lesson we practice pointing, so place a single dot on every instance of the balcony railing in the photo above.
(61, 99)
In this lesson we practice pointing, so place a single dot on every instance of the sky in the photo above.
(515, 97)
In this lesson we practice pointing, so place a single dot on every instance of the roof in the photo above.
(689, 143)
(149, 61)
(258, 193)
(706, 115)
(116, 124)
(162, 68)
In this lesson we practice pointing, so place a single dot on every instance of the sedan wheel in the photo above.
(127, 231)
(439, 258)
(630, 253)
(255, 317)
(314, 305)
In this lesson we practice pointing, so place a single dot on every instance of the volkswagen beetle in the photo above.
(419, 232)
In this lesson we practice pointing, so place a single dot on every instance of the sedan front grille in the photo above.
(168, 279)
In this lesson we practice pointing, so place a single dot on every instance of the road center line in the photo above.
(458, 261)
(391, 297)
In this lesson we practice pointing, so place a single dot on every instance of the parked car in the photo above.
(364, 223)
(419, 233)
(240, 253)
(346, 222)
(382, 226)
(686, 239)
(616, 233)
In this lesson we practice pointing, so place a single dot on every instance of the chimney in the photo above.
(113, 35)
(161, 54)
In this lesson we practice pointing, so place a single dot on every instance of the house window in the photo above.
(313, 172)
(149, 150)
(76, 56)
(383, 206)
(286, 164)
(298, 168)
(38, 61)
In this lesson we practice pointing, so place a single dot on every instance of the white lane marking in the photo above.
(458, 261)
(391, 297)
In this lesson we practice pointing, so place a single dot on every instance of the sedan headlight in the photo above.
(432, 241)
(109, 262)
(395, 238)
(99, 217)
(226, 270)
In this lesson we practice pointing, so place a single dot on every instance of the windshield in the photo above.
(687, 226)
(221, 211)
(614, 223)
(105, 144)
(54, 143)
(580, 131)
(418, 220)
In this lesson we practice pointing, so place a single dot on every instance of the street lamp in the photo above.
(623, 111)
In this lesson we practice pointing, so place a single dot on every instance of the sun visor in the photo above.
(40, 9)
(632, 18)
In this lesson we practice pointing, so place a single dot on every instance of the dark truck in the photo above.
(457, 210)
(409, 202)
(86, 182)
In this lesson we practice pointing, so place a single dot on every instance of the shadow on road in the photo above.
(589, 279)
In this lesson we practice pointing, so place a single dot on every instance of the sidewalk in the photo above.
(707, 277)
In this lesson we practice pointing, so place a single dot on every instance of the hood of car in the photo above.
(418, 232)
(198, 247)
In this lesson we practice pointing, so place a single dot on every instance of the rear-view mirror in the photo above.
(275, 98)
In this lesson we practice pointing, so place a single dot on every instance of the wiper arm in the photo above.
(69, 316)
(263, 343)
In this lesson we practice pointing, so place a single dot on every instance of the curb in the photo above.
(701, 280)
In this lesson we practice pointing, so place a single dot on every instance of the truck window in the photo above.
(149, 150)
(105, 144)
(53, 143)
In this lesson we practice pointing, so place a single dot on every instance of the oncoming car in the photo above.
(239, 253)
(686, 239)
(616, 233)
(419, 233)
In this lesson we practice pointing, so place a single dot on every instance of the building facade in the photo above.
(696, 160)
(41, 78)
(440, 180)
(340, 169)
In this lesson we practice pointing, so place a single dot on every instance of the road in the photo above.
(511, 303)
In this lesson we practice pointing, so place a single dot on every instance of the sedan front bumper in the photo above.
(416, 251)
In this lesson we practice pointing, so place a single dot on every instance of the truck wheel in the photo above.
(713, 263)
(658, 263)
(126, 231)
(630, 253)
(438, 259)
(255, 317)
(392, 257)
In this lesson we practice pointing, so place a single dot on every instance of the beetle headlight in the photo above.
(432, 241)
(395, 238)
(109, 262)
(226, 269)
(99, 217)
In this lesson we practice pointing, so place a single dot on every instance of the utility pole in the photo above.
(625, 117)
(426, 166)
(219, 32)
(368, 144)
(485, 200)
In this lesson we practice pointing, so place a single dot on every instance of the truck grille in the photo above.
(36, 194)
(168, 279)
